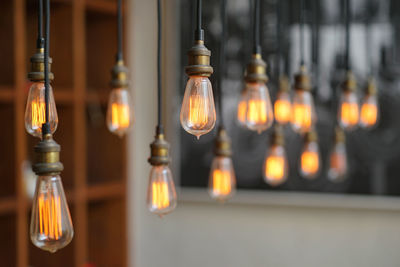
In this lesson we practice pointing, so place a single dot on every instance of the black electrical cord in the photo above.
(279, 36)
(40, 40)
(119, 30)
(199, 33)
(221, 61)
(46, 125)
(256, 28)
(347, 15)
(302, 22)
(160, 129)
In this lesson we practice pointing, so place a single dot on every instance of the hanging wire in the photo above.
(368, 37)
(256, 28)
(160, 129)
(199, 33)
(279, 36)
(347, 15)
(40, 40)
(302, 22)
(221, 61)
(119, 30)
(46, 125)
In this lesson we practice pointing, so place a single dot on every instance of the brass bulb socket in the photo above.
(159, 150)
(119, 75)
(370, 89)
(311, 136)
(199, 60)
(350, 83)
(284, 85)
(302, 80)
(277, 137)
(256, 70)
(222, 146)
(37, 67)
(339, 137)
(47, 157)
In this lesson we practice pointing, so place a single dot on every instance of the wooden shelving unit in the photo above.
(82, 47)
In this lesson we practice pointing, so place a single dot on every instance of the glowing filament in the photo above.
(120, 115)
(198, 111)
(50, 216)
(221, 182)
(241, 114)
(282, 110)
(160, 195)
(349, 113)
(309, 162)
(302, 116)
(369, 114)
(38, 114)
(275, 168)
(256, 111)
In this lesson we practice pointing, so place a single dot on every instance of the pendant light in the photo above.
(119, 112)
(198, 111)
(35, 105)
(51, 225)
(303, 110)
(348, 111)
(222, 180)
(161, 194)
(338, 157)
(310, 161)
(255, 108)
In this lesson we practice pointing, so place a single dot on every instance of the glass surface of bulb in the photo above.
(222, 180)
(119, 112)
(35, 111)
(309, 160)
(198, 111)
(303, 111)
(369, 111)
(283, 108)
(259, 114)
(161, 194)
(275, 168)
(348, 111)
(338, 163)
(51, 225)
(241, 109)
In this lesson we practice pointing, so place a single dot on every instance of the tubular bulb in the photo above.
(275, 166)
(303, 111)
(283, 108)
(348, 110)
(222, 181)
(119, 112)
(35, 112)
(338, 163)
(309, 158)
(369, 111)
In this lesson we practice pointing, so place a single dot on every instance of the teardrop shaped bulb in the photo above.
(275, 168)
(369, 111)
(198, 111)
(222, 180)
(119, 112)
(338, 163)
(283, 108)
(161, 194)
(303, 111)
(51, 225)
(35, 111)
(309, 160)
(348, 111)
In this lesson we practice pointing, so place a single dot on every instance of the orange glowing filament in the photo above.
(369, 114)
(309, 162)
(38, 114)
(282, 110)
(120, 115)
(221, 182)
(160, 195)
(275, 168)
(50, 216)
(242, 111)
(256, 111)
(302, 116)
(349, 113)
(198, 111)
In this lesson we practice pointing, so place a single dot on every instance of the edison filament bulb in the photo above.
(119, 112)
(309, 158)
(283, 105)
(198, 111)
(241, 109)
(369, 107)
(51, 225)
(348, 110)
(35, 111)
(338, 158)
(222, 181)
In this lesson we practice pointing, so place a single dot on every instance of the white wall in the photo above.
(237, 235)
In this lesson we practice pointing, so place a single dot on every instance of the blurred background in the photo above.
(301, 223)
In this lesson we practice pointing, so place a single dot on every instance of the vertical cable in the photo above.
(279, 36)
(46, 126)
(302, 22)
(347, 14)
(221, 61)
(40, 40)
(159, 89)
(119, 30)
(256, 28)
(199, 33)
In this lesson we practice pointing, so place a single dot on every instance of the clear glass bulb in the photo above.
(309, 160)
(369, 111)
(119, 112)
(348, 112)
(241, 109)
(51, 225)
(222, 180)
(303, 111)
(338, 163)
(283, 108)
(35, 111)
(275, 169)
(161, 194)
(198, 111)
(259, 114)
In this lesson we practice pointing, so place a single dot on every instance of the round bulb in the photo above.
(198, 111)
(161, 195)
(348, 112)
(275, 169)
(51, 225)
(259, 115)
(309, 160)
(283, 108)
(369, 111)
(241, 109)
(303, 117)
(119, 112)
(338, 163)
(35, 111)
(222, 180)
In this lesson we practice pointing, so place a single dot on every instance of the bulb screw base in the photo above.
(311, 136)
(222, 144)
(119, 75)
(370, 89)
(256, 70)
(47, 157)
(302, 80)
(350, 83)
(37, 67)
(339, 137)
(277, 137)
(159, 151)
(199, 60)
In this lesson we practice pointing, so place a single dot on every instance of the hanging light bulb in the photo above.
(283, 106)
(369, 107)
(348, 112)
(275, 168)
(303, 110)
(241, 109)
(309, 158)
(222, 181)
(338, 158)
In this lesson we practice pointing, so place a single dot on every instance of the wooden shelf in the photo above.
(7, 94)
(102, 6)
(7, 205)
(108, 190)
